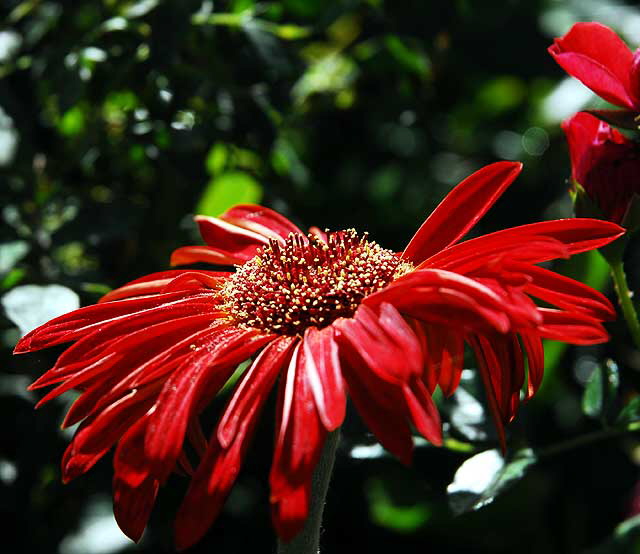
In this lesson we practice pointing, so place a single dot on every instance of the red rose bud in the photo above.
(605, 164)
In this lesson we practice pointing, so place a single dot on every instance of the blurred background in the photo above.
(121, 119)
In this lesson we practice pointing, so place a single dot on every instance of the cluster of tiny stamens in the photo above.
(306, 282)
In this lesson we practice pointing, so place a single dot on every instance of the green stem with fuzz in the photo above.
(307, 541)
(624, 297)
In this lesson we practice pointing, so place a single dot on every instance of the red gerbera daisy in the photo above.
(326, 314)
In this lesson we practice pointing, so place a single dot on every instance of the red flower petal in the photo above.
(533, 243)
(567, 293)
(385, 342)
(535, 362)
(446, 298)
(221, 463)
(132, 505)
(260, 220)
(289, 512)
(422, 411)
(571, 327)
(461, 209)
(168, 281)
(322, 365)
(205, 254)
(377, 403)
(98, 434)
(300, 434)
(209, 367)
(599, 58)
(146, 310)
(101, 352)
(254, 387)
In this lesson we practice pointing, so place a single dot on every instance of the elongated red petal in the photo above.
(88, 358)
(483, 351)
(535, 362)
(205, 254)
(77, 324)
(132, 505)
(422, 411)
(168, 281)
(229, 239)
(384, 342)
(129, 461)
(210, 366)
(254, 386)
(461, 209)
(377, 403)
(322, 365)
(599, 58)
(524, 244)
(567, 293)
(261, 220)
(444, 297)
(447, 350)
(300, 433)
(220, 465)
(289, 512)
(571, 327)
(97, 435)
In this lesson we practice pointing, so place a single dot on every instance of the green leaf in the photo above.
(624, 540)
(217, 158)
(593, 397)
(72, 122)
(481, 478)
(11, 253)
(601, 390)
(30, 306)
(223, 192)
(386, 513)
(411, 58)
(630, 413)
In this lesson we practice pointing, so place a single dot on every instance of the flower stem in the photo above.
(307, 541)
(589, 438)
(624, 297)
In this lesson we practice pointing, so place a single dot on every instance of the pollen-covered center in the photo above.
(306, 282)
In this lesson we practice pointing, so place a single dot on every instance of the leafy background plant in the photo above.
(119, 119)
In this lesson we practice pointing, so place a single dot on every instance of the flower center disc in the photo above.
(306, 282)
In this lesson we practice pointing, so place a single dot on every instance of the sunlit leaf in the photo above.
(217, 158)
(481, 478)
(11, 253)
(601, 390)
(29, 306)
(72, 122)
(233, 187)
(592, 399)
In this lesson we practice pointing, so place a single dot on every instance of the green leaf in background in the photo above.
(411, 58)
(601, 389)
(11, 253)
(593, 397)
(624, 540)
(217, 158)
(386, 513)
(631, 412)
(30, 306)
(223, 192)
(481, 478)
